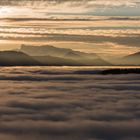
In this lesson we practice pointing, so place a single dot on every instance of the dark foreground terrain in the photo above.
(47, 103)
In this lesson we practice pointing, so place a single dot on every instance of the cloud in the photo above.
(72, 2)
(71, 6)
(127, 38)
(98, 108)
(105, 31)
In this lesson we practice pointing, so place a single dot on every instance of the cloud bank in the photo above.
(97, 107)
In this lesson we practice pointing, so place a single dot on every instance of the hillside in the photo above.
(133, 59)
(13, 58)
(56, 61)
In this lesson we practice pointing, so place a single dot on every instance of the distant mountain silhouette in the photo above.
(13, 58)
(56, 61)
(134, 56)
(133, 59)
(73, 55)
(44, 50)
(62, 56)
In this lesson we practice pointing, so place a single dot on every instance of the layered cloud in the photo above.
(129, 3)
(106, 34)
(73, 6)
(91, 107)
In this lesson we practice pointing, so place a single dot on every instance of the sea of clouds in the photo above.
(39, 104)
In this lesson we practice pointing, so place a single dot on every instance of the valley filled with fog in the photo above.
(59, 103)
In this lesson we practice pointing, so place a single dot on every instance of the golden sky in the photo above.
(95, 7)
(75, 24)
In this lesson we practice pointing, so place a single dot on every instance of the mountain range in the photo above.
(131, 60)
(52, 56)
(13, 58)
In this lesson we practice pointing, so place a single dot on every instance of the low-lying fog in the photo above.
(38, 104)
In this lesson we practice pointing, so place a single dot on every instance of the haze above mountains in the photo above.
(48, 55)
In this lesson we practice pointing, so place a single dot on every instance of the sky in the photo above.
(106, 27)
(93, 7)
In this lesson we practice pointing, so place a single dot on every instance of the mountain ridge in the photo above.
(14, 58)
(132, 59)
(79, 58)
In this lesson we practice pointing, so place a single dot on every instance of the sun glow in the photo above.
(4, 11)
(9, 12)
